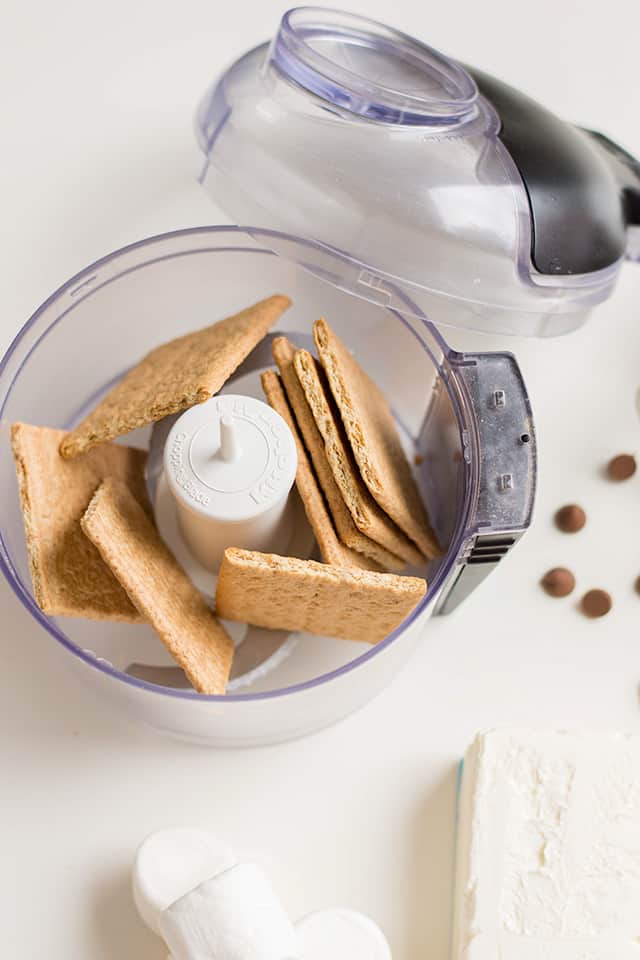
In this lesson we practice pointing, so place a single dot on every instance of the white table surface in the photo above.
(96, 152)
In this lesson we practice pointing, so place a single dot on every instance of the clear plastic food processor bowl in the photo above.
(96, 326)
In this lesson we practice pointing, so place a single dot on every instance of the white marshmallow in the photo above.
(339, 934)
(169, 863)
(234, 916)
(189, 889)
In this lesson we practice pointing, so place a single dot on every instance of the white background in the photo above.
(96, 151)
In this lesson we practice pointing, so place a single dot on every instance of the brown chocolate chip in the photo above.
(418, 459)
(596, 603)
(571, 518)
(621, 467)
(558, 582)
(638, 585)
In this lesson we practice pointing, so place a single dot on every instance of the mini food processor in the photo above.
(394, 191)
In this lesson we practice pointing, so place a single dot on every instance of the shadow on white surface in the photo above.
(432, 835)
(118, 930)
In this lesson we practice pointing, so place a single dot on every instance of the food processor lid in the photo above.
(388, 169)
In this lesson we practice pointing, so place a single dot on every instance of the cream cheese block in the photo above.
(548, 848)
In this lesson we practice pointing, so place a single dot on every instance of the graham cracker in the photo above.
(374, 440)
(163, 593)
(332, 550)
(175, 376)
(287, 594)
(283, 353)
(367, 515)
(69, 577)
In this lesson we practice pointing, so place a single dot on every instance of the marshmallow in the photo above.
(169, 863)
(233, 916)
(189, 889)
(341, 935)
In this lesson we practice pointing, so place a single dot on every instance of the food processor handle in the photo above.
(500, 461)
(583, 190)
(626, 170)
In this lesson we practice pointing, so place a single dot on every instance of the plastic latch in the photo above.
(504, 447)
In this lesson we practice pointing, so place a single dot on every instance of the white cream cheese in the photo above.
(548, 850)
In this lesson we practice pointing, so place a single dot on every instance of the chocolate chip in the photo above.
(571, 518)
(621, 467)
(596, 603)
(558, 582)
(638, 585)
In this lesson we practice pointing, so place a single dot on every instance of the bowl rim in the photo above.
(77, 282)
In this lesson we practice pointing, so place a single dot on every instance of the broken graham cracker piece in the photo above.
(175, 376)
(288, 594)
(69, 577)
(367, 515)
(374, 439)
(331, 548)
(283, 353)
(163, 593)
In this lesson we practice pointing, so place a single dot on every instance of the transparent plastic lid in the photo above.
(374, 162)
